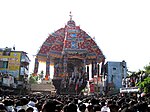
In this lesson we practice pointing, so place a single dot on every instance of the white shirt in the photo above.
(105, 109)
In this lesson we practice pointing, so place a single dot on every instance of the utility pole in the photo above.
(123, 67)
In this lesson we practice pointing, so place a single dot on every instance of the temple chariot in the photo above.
(74, 56)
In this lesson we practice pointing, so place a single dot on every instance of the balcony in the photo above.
(129, 90)
(25, 59)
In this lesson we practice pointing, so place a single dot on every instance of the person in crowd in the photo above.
(73, 103)
(24, 103)
(9, 104)
(49, 106)
(82, 107)
(2, 108)
(90, 108)
(105, 107)
(21, 110)
(72, 107)
(32, 102)
(30, 109)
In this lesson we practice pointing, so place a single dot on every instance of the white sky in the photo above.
(121, 27)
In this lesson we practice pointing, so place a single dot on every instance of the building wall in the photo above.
(13, 63)
(115, 72)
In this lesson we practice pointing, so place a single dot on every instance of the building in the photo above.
(115, 72)
(14, 68)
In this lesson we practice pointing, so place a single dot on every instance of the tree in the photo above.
(147, 69)
(144, 83)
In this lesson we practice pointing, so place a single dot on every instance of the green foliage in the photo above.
(147, 69)
(144, 85)
(33, 79)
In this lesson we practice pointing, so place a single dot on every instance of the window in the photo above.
(3, 64)
(114, 68)
(6, 53)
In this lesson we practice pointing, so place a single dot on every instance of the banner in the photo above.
(36, 66)
(11, 63)
(92, 88)
(47, 69)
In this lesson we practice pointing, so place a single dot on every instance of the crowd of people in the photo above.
(73, 103)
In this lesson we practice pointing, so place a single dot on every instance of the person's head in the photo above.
(49, 106)
(18, 103)
(109, 102)
(24, 101)
(76, 100)
(103, 103)
(82, 107)
(90, 108)
(33, 99)
(30, 109)
(93, 101)
(2, 108)
(72, 107)
(21, 110)
(114, 108)
(8, 102)
(96, 108)
(39, 106)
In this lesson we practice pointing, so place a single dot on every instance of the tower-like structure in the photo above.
(70, 50)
